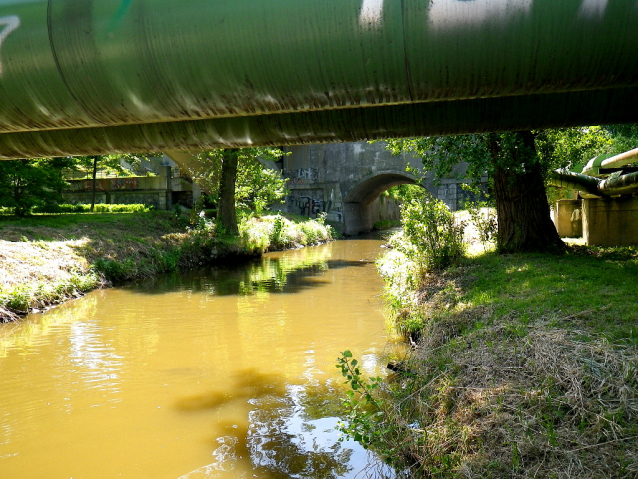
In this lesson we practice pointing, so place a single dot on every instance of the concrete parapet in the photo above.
(610, 221)
(158, 191)
(568, 218)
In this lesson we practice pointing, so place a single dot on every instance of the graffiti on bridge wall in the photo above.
(100, 185)
(311, 203)
(302, 175)
(115, 184)
(124, 183)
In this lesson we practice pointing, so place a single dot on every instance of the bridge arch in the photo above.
(357, 203)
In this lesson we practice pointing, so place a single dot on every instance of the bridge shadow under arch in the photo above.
(357, 204)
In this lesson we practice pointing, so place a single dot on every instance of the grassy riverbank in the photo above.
(47, 259)
(523, 366)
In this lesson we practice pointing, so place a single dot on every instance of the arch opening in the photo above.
(358, 204)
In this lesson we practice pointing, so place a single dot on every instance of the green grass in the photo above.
(584, 288)
(526, 366)
(48, 227)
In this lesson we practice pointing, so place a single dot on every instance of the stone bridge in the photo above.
(345, 180)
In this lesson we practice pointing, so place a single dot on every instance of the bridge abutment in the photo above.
(345, 181)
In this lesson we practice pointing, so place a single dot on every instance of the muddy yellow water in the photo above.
(227, 372)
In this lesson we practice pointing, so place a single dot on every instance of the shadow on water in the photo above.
(288, 433)
(286, 274)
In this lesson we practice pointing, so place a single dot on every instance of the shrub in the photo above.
(433, 239)
(384, 225)
(277, 230)
(99, 208)
(484, 220)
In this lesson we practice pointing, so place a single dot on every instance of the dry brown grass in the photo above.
(44, 264)
(517, 400)
(24, 262)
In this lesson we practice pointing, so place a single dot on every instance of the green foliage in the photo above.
(201, 221)
(365, 414)
(555, 148)
(385, 224)
(433, 240)
(99, 208)
(440, 154)
(114, 270)
(17, 300)
(513, 162)
(277, 230)
(25, 184)
(132, 208)
(571, 147)
(256, 186)
(406, 192)
(25, 297)
(625, 137)
(109, 163)
(484, 220)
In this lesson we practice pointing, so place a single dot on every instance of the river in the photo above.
(225, 372)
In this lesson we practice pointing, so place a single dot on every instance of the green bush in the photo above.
(433, 239)
(99, 208)
(115, 270)
(277, 229)
(484, 220)
(134, 208)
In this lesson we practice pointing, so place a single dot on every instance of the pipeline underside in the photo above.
(102, 76)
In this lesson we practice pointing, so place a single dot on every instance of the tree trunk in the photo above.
(226, 214)
(94, 183)
(524, 222)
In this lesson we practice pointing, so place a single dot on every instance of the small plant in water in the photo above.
(365, 411)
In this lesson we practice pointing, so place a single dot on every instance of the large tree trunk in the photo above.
(226, 214)
(524, 222)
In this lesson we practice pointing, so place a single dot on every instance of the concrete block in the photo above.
(610, 221)
(568, 218)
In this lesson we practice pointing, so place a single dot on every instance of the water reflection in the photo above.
(95, 361)
(225, 372)
(293, 434)
(289, 272)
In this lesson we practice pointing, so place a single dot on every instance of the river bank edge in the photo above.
(46, 260)
(523, 365)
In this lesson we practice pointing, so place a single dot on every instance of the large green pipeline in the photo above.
(329, 126)
(84, 64)
(615, 185)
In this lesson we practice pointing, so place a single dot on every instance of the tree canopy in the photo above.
(517, 165)
(235, 177)
(25, 184)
